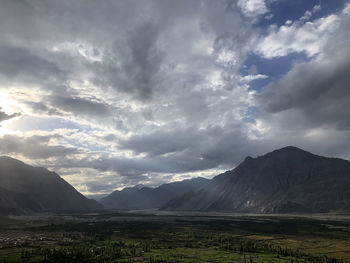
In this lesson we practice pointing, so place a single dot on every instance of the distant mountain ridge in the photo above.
(142, 197)
(24, 188)
(288, 180)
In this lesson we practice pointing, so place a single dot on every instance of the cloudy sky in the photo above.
(116, 93)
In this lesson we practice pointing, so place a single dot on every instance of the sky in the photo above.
(114, 93)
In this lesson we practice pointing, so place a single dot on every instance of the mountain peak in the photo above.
(289, 152)
(290, 148)
(287, 149)
(248, 158)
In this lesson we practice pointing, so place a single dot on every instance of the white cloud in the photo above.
(316, 8)
(307, 37)
(253, 8)
(309, 13)
(249, 78)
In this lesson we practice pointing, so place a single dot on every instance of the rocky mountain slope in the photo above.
(288, 180)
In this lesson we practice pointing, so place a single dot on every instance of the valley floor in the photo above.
(174, 238)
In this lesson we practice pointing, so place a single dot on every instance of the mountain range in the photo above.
(288, 180)
(26, 189)
(143, 197)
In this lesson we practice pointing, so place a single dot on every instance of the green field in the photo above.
(150, 238)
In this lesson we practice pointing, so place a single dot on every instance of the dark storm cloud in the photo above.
(34, 147)
(129, 166)
(134, 63)
(21, 62)
(80, 106)
(18, 17)
(319, 89)
(42, 108)
(55, 105)
(143, 58)
(4, 116)
(137, 168)
(110, 138)
(193, 149)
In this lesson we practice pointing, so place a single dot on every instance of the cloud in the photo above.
(318, 89)
(4, 116)
(134, 64)
(308, 37)
(249, 78)
(253, 8)
(161, 142)
(42, 108)
(33, 147)
(185, 150)
(308, 14)
(80, 106)
(118, 58)
(18, 62)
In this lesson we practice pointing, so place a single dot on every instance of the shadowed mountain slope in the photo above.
(24, 188)
(288, 180)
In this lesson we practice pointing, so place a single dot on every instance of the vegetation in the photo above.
(177, 239)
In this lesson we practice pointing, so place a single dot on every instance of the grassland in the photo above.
(150, 238)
